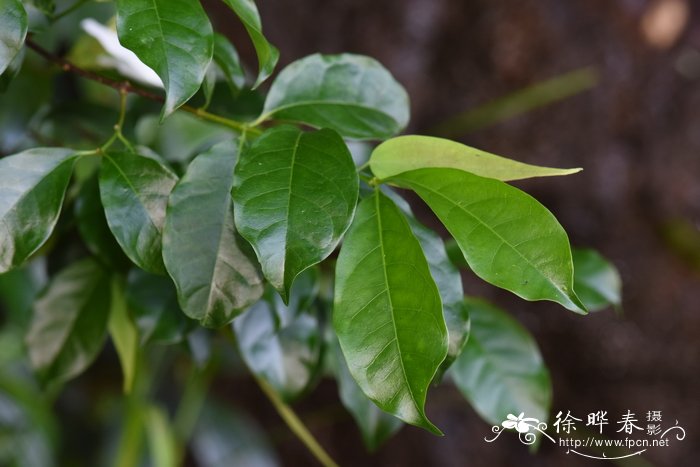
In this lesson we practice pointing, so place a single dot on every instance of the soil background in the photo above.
(636, 134)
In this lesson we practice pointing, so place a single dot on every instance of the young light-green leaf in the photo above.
(267, 54)
(70, 322)
(134, 191)
(13, 30)
(508, 238)
(387, 312)
(352, 94)
(32, 186)
(294, 195)
(124, 334)
(172, 37)
(501, 370)
(411, 152)
(596, 280)
(209, 262)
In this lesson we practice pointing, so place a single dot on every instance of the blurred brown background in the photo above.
(637, 135)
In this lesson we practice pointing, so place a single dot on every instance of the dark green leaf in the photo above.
(227, 437)
(387, 312)
(180, 137)
(226, 56)
(282, 344)
(92, 224)
(134, 191)
(32, 186)
(174, 38)
(447, 279)
(508, 238)
(267, 53)
(210, 264)
(375, 425)
(596, 280)
(411, 152)
(153, 301)
(352, 94)
(294, 195)
(124, 334)
(501, 370)
(69, 324)
(13, 30)
(12, 70)
(19, 288)
(45, 6)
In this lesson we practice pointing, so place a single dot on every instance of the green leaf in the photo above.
(596, 280)
(93, 228)
(153, 301)
(69, 324)
(13, 30)
(172, 37)
(32, 186)
(411, 152)
(448, 281)
(163, 446)
(501, 370)
(508, 238)
(294, 195)
(226, 56)
(387, 312)
(124, 334)
(376, 426)
(266, 52)
(282, 344)
(227, 437)
(352, 94)
(18, 289)
(209, 262)
(134, 191)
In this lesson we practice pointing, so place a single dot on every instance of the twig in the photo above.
(127, 87)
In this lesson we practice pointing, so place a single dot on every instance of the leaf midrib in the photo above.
(512, 247)
(391, 305)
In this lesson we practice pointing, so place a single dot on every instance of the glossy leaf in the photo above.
(18, 289)
(448, 281)
(69, 324)
(596, 280)
(153, 301)
(13, 30)
(226, 56)
(32, 186)
(411, 152)
(267, 54)
(124, 334)
(282, 344)
(501, 370)
(352, 94)
(92, 225)
(209, 262)
(387, 312)
(294, 195)
(134, 191)
(508, 238)
(376, 426)
(172, 37)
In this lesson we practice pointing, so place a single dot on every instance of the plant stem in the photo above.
(69, 10)
(295, 424)
(127, 87)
